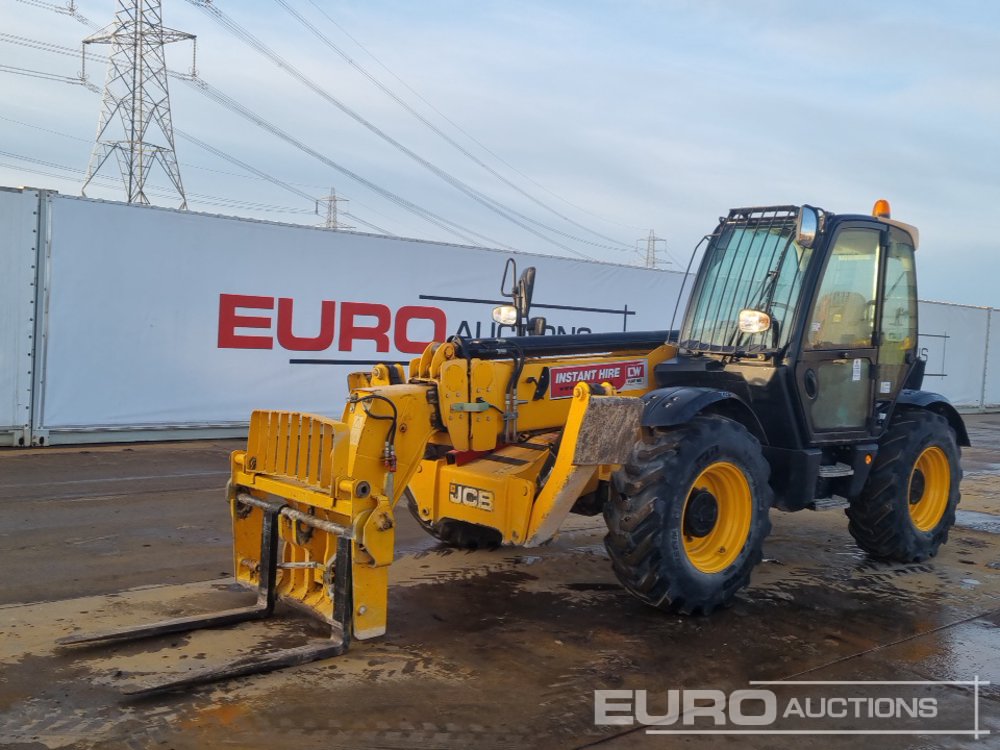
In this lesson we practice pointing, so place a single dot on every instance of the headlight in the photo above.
(754, 321)
(505, 315)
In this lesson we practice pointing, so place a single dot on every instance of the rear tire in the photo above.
(457, 534)
(908, 504)
(689, 515)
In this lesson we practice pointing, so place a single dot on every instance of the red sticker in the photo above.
(624, 376)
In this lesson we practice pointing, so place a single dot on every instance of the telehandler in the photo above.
(795, 377)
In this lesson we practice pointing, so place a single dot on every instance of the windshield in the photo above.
(753, 262)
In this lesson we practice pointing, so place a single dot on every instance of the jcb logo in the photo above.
(462, 494)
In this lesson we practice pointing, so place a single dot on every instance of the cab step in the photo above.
(838, 469)
(828, 503)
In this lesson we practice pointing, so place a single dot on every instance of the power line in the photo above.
(205, 89)
(284, 184)
(462, 130)
(220, 98)
(448, 139)
(45, 130)
(243, 165)
(379, 229)
(228, 102)
(159, 191)
(198, 198)
(47, 76)
(274, 180)
(256, 173)
(254, 43)
(48, 6)
(70, 10)
(67, 10)
(46, 46)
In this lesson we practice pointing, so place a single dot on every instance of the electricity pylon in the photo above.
(135, 122)
(331, 201)
(651, 240)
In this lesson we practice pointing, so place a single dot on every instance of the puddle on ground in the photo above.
(971, 519)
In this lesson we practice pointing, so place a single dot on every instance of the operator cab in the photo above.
(809, 320)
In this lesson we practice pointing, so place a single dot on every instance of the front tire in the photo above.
(908, 504)
(689, 515)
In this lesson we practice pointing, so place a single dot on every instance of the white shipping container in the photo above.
(157, 323)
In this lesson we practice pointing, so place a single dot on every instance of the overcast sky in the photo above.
(621, 116)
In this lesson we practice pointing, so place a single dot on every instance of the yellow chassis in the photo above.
(468, 449)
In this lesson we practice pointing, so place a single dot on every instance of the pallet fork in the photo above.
(313, 500)
(340, 621)
(339, 618)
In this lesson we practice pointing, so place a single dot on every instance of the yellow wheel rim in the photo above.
(716, 520)
(929, 488)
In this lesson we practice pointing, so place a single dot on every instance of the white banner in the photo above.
(159, 317)
(953, 339)
(18, 258)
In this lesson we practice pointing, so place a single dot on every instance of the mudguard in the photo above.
(677, 405)
(939, 404)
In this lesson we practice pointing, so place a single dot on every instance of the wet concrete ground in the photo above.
(485, 649)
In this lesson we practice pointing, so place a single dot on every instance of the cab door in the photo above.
(836, 371)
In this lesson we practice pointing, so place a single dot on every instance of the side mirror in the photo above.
(520, 294)
(525, 290)
(807, 226)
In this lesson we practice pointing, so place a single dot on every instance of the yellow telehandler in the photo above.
(795, 377)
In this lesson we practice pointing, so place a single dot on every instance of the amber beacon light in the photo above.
(881, 209)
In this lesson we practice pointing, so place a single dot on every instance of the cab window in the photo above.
(899, 315)
(843, 314)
